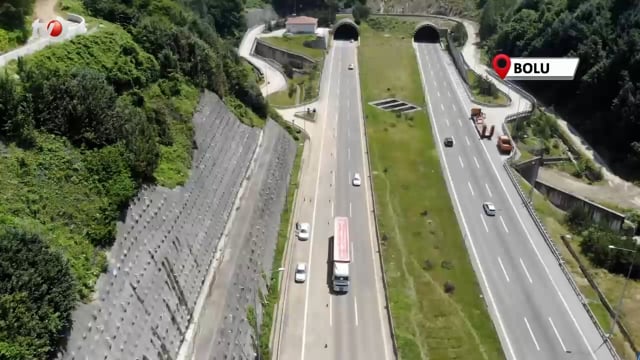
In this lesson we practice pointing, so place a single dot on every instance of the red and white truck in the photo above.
(478, 117)
(341, 255)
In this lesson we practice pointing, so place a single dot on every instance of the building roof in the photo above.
(302, 20)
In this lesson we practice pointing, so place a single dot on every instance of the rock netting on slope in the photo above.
(157, 266)
(257, 232)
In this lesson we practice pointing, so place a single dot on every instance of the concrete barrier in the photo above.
(282, 56)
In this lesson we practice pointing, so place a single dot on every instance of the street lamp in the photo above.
(624, 287)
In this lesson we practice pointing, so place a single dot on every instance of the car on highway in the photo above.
(350, 66)
(303, 230)
(301, 273)
(448, 141)
(351, 41)
(356, 180)
(489, 208)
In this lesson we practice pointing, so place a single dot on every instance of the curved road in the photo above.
(318, 325)
(534, 308)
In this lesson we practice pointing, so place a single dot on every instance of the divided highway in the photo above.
(535, 311)
(316, 324)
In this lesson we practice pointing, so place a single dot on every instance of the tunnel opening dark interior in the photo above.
(426, 34)
(346, 32)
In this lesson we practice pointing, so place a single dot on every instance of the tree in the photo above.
(488, 20)
(37, 295)
(361, 12)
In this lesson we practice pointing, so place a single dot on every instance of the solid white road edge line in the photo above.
(367, 172)
(313, 216)
(525, 271)
(503, 224)
(564, 348)
(555, 286)
(464, 223)
(531, 332)
(503, 269)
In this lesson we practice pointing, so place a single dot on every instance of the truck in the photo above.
(504, 144)
(341, 255)
(478, 117)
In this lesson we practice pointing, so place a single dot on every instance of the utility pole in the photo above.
(624, 287)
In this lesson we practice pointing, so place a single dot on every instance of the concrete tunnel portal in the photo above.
(346, 29)
(426, 33)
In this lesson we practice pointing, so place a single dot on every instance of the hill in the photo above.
(83, 125)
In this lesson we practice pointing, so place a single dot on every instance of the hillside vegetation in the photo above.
(603, 102)
(83, 124)
(14, 16)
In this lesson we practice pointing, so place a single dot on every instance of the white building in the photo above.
(302, 25)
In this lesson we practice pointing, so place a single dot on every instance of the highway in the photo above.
(532, 304)
(316, 324)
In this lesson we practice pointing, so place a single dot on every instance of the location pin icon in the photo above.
(501, 65)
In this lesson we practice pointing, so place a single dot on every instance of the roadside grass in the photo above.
(423, 248)
(300, 90)
(287, 97)
(273, 295)
(295, 43)
(499, 99)
(611, 285)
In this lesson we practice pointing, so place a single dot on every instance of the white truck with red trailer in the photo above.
(341, 253)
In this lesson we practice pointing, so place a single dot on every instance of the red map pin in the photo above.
(54, 28)
(501, 64)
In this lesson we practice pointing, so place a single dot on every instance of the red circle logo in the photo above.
(54, 28)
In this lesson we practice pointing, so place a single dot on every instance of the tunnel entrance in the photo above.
(426, 33)
(346, 30)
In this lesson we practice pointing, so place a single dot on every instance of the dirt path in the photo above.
(45, 9)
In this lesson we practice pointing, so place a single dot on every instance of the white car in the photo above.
(303, 230)
(356, 180)
(350, 66)
(301, 273)
(489, 209)
(351, 41)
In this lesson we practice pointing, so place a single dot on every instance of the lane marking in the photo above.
(349, 153)
(313, 216)
(531, 332)
(461, 163)
(352, 253)
(447, 120)
(503, 224)
(466, 138)
(334, 177)
(350, 210)
(470, 188)
(355, 305)
(525, 271)
(457, 203)
(488, 190)
(453, 107)
(382, 314)
(503, 269)
(330, 311)
(348, 132)
(332, 207)
(442, 106)
(538, 255)
(476, 161)
(564, 348)
(484, 223)
(448, 93)
(438, 93)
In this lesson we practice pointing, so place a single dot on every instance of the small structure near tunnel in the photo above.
(346, 29)
(426, 32)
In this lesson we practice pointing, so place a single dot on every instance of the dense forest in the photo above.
(83, 125)
(603, 102)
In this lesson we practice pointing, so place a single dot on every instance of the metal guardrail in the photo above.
(543, 230)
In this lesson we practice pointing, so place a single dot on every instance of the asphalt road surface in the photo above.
(316, 324)
(535, 311)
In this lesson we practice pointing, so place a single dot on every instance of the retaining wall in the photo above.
(263, 49)
(158, 263)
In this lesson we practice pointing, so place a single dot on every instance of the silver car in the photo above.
(301, 273)
(489, 208)
(303, 230)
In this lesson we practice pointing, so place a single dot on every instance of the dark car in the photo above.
(448, 141)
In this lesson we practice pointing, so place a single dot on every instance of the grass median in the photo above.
(435, 299)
